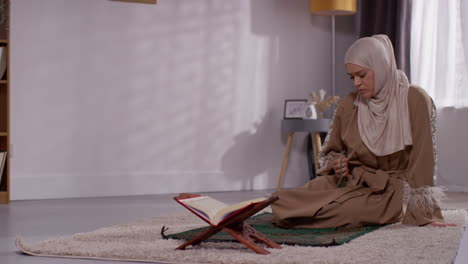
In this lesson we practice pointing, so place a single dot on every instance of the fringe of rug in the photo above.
(164, 229)
(427, 198)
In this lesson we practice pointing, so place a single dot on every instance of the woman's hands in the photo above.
(341, 168)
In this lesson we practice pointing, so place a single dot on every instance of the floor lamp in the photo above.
(333, 8)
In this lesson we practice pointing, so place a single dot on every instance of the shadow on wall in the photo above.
(187, 79)
(246, 159)
(289, 68)
(452, 146)
(162, 111)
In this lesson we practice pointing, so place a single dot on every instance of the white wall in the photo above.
(452, 131)
(111, 98)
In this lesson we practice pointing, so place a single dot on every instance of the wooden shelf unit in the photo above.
(4, 197)
(5, 108)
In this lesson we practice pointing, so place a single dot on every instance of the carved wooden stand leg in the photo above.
(201, 237)
(247, 235)
(241, 231)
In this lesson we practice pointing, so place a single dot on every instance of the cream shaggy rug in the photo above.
(141, 241)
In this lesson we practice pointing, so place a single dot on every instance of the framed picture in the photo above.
(294, 108)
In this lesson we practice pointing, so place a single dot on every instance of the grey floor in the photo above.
(42, 219)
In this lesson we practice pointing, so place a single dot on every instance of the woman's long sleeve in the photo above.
(421, 199)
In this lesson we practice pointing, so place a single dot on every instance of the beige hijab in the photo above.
(383, 120)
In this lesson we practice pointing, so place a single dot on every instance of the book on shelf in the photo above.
(3, 157)
(213, 211)
(3, 61)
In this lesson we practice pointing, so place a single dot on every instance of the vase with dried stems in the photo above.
(321, 103)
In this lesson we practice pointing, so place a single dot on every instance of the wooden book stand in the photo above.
(241, 231)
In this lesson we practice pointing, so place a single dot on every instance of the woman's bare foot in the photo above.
(440, 224)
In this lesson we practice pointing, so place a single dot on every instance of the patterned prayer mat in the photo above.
(300, 236)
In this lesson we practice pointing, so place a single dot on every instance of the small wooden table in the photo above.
(312, 126)
(241, 231)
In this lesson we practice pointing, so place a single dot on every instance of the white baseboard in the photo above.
(70, 186)
(454, 188)
(48, 186)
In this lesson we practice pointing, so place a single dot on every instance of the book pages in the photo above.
(225, 212)
(208, 205)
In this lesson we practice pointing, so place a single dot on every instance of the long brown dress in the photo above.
(380, 189)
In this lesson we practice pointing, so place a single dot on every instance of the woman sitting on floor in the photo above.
(381, 143)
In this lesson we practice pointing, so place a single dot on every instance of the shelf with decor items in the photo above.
(4, 102)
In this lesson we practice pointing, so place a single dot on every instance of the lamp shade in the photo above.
(333, 7)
